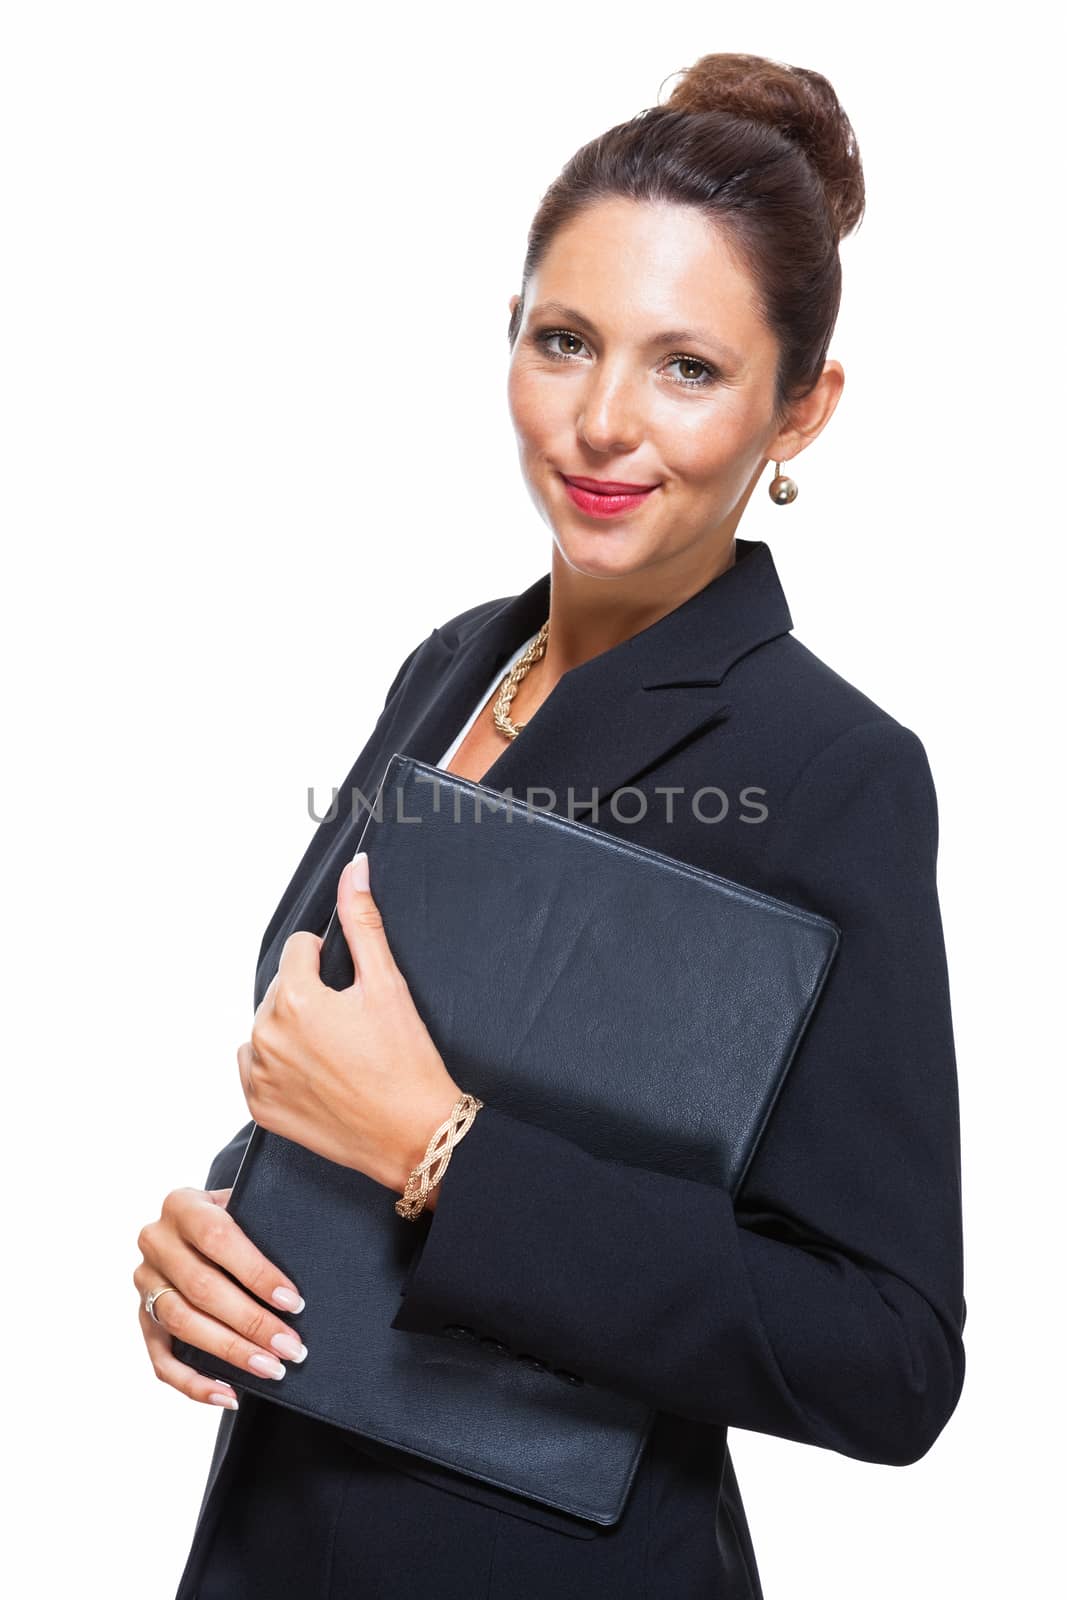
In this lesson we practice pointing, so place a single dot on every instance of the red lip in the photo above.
(605, 486)
(607, 500)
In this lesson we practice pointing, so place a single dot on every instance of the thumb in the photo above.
(362, 922)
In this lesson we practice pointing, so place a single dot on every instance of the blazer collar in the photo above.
(697, 642)
(622, 711)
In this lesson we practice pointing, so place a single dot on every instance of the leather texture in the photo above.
(642, 1007)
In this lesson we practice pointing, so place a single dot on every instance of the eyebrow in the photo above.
(556, 308)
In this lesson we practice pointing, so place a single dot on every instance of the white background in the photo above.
(255, 269)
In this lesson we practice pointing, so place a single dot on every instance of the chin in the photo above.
(602, 553)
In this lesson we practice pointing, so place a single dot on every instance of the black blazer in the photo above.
(826, 1305)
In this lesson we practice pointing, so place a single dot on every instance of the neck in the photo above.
(588, 615)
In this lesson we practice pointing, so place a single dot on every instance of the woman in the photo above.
(679, 294)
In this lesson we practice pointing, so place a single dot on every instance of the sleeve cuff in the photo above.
(535, 1242)
(484, 1266)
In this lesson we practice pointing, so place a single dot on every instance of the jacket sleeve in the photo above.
(825, 1305)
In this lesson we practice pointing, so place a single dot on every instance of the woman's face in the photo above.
(642, 359)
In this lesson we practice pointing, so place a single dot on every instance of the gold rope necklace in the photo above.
(502, 705)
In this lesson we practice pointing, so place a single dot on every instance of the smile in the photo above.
(606, 503)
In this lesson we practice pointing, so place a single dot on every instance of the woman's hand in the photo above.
(194, 1232)
(352, 1074)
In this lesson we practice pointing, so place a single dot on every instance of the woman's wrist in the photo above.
(420, 1128)
(442, 1115)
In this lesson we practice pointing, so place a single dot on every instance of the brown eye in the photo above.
(707, 374)
(546, 337)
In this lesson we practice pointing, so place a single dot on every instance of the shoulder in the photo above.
(813, 711)
(807, 691)
(452, 632)
(457, 628)
(852, 780)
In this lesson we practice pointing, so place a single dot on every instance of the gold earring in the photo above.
(783, 491)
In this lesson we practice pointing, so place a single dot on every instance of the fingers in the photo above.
(362, 924)
(167, 1367)
(193, 1246)
(211, 1230)
(190, 1256)
(298, 964)
(234, 1343)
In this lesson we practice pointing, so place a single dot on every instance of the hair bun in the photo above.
(798, 103)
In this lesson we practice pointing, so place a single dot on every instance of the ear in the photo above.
(809, 416)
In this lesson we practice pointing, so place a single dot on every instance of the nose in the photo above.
(610, 420)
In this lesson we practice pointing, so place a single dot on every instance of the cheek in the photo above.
(704, 443)
(533, 403)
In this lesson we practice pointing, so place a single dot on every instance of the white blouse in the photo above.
(494, 684)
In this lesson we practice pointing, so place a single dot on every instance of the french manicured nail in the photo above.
(223, 1400)
(288, 1300)
(289, 1346)
(269, 1366)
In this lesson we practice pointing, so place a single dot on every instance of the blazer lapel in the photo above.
(618, 714)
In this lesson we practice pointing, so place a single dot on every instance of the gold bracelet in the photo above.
(452, 1130)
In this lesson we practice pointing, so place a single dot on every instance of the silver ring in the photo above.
(150, 1300)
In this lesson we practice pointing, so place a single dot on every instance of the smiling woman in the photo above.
(681, 284)
(668, 341)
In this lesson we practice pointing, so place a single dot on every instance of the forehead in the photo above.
(637, 266)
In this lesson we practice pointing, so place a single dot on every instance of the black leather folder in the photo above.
(642, 1007)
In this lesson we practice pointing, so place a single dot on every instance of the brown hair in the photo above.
(766, 151)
